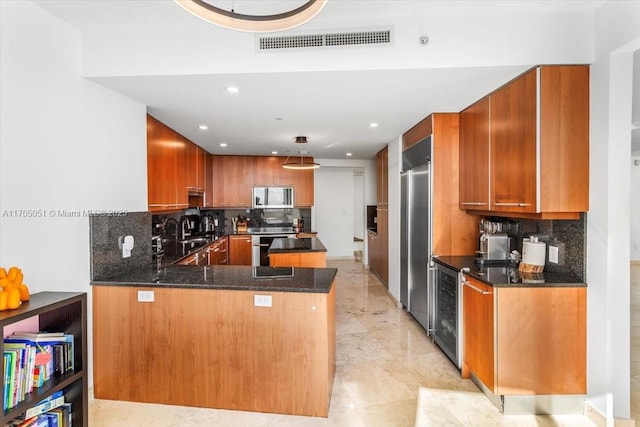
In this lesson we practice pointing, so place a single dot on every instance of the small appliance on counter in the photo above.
(494, 247)
(533, 255)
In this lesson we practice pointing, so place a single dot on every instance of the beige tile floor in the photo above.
(388, 374)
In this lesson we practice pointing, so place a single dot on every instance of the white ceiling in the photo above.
(178, 66)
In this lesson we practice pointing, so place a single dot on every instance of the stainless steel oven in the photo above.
(447, 328)
(261, 244)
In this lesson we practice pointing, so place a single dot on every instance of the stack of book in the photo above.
(50, 412)
(30, 359)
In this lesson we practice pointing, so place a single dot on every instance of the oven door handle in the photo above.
(263, 245)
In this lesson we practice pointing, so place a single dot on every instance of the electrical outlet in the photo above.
(262, 300)
(553, 254)
(146, 296)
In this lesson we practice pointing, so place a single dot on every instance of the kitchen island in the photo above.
(524, 336)
(304, 252)
(228, 337)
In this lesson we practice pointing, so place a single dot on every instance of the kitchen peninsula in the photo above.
(228, 337)
(304, 252)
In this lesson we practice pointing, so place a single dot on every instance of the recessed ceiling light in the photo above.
(348, 154)
(278, 118)
(373, 125)
(274, 152)
(223, 144)
(233, 89)
(203, 127)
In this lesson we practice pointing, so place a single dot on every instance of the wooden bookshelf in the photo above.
(55, 312)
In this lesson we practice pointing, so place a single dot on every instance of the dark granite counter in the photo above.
(307, 244)
(235, 277)
(508, 275)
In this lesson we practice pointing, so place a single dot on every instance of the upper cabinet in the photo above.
(268, 171)
(526, 146)
(181, 174)
(474, 156)
(166, 151)
(232, 181)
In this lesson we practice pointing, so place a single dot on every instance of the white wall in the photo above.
(617, 35)
(328, 214)
(65, 144)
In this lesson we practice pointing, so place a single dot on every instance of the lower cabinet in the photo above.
(298, 259)
(214, 348)
(525, 340)
(240, 250)
(217, 252)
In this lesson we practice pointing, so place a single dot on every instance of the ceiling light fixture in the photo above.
(373, 125)
(233, 89)
(300, 163)
(203, 127)
(223, 144)
(253, 23)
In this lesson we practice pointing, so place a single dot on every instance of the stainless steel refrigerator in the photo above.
(416, 287)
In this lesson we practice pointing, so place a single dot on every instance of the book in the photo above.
(51, 402)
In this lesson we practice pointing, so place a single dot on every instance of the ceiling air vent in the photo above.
(379, 37)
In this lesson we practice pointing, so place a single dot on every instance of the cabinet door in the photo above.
(154, 166)
(233, 182)
(240, 250)
(513, 146)
(478, 331)
(208, 180)
(474, 156)
(263, 167)
(382, 185)
(303, 186)
(382, 246)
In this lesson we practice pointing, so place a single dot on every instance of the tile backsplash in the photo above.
(568, 235)
(106, 255)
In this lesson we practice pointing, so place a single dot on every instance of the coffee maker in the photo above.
(494, 241)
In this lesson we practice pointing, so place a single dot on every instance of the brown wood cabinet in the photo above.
(218, 252)
(214, 348)
(268, 171)
(474, 156)
(378, 243)
(175, 166)
(525, 340)
(538, 145)
(240, 249)
(208, 181)
(232, 181)
(453, 230)
(298, 259)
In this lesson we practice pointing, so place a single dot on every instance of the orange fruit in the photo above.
(24, 292)
(3, 273)
(18, 279)
(3, 300)
(13, 272)
(13, 299)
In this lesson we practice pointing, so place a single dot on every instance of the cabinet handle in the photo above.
(473, 203)
(468, 284)
(513, 204)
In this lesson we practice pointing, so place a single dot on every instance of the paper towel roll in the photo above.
(534, 253)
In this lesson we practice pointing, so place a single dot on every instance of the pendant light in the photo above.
(300, 163)
(253, 23)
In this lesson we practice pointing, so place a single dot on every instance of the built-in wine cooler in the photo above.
(447, 328)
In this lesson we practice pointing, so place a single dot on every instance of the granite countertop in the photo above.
(508, 275)
(234, 277)
(307, 244)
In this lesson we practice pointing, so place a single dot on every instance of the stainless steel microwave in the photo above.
(272, 197)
